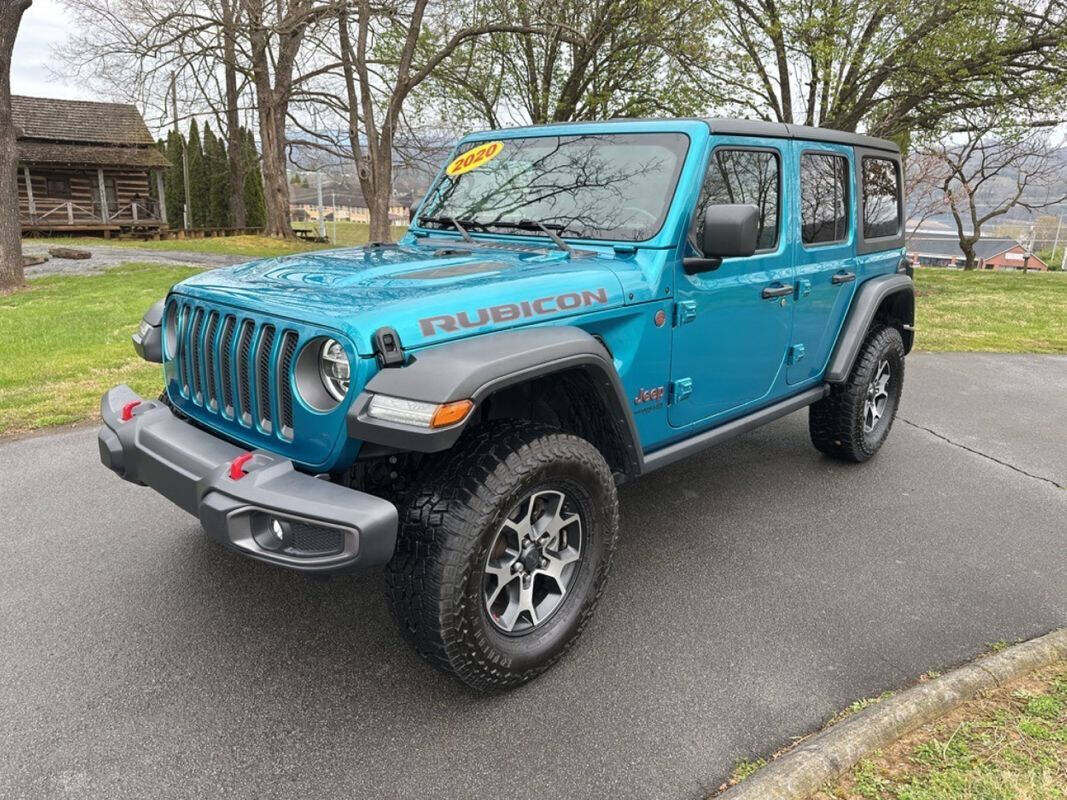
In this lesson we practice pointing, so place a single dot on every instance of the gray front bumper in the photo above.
(192, 469)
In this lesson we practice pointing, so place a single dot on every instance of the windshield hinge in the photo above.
(387, 347)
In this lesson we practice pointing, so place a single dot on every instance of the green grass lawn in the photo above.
(67, 339)
(1009, 744)
(1004, 312)
(348, 233)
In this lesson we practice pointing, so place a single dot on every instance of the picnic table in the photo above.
(310, 235)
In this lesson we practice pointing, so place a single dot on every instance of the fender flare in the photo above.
(475, 368)
(869, 298)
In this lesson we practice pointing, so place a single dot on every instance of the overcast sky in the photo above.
(43, 27)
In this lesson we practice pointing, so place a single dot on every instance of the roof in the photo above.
(78, 121)
(51, 131)
(30, 152)
(784, 130)
(750, 127)
(949, 246)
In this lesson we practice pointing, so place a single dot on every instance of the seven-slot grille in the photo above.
(235, 366)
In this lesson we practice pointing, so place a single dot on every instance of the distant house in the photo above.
(350, 206)
(932, 249)
(89, 167)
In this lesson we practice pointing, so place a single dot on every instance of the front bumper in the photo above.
(261, 506)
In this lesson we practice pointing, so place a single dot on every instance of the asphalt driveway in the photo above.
(758, 588)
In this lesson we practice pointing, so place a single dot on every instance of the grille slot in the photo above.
(235, 367)
(196, 346)
(244, 358)
(226, 364)
(183, 363)
(285, 391)
(210, 359)
(263, 388)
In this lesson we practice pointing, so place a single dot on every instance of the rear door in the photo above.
(729, 340)
(825, 254)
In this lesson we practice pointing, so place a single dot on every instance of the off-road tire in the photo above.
(450, 519)
(836, 422)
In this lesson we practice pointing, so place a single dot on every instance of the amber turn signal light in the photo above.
(451, 413)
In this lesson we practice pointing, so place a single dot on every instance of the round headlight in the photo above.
(334, 369)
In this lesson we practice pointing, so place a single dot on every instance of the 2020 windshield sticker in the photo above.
(474, 158)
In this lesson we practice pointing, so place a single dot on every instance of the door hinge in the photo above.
(681, 389)
(795, 354)
(684, 311)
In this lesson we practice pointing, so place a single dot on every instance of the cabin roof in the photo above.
(79, 121)
(82, 133)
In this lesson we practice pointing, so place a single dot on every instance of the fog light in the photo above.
(271, 533)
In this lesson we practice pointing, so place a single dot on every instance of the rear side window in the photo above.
(823, 198)
(749, 177)
(881, 198)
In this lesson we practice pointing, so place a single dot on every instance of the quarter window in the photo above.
(748, 177)
(881, 198)
(823, 198)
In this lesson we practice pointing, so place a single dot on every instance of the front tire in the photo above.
(852, 422)
(504, 546)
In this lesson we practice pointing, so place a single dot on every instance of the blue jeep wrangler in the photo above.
(572, 306)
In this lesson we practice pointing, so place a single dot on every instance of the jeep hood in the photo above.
(428, 294)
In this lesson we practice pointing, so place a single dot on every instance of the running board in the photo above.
(676, 452)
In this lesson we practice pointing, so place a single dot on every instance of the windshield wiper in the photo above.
(451, 222)
(548, 228)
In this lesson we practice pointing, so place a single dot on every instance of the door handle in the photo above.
(772, 291)
(842, 277)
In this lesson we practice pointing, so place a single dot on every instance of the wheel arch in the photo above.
(889, 299)
(557, 374)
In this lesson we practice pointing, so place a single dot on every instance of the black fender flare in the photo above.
(475, 368)
(148, 341)
(869, 298)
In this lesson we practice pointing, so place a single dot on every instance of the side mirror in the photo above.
(412, 209)
(730, 231)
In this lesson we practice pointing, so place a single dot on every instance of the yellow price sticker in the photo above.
(474, 158)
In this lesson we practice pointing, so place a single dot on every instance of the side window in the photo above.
(750, 177)
(823, 198)
(881, 198)
(57, 186)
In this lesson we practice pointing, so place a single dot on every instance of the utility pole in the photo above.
(333, 204)
(322, 212)
(188, 209)
(1056, 244)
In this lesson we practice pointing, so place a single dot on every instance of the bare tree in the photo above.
(379, 77)
(594, 59)
(891, 66)
(989, 171)
(11, 274)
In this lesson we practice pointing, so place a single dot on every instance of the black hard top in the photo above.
(784, 130)
(755, 127)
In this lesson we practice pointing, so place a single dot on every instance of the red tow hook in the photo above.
(237, 466)
(127, 410)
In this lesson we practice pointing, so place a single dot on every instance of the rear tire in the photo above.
(504, 545)
(852, 422)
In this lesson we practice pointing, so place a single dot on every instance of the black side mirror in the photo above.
(411, 212)
(730, 231)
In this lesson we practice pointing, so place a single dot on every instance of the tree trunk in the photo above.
(969, 260)
(11, 274)
(275, 181)
(235, 145)
(378, 191)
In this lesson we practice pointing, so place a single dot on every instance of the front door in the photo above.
(826, 255)
(732, 325)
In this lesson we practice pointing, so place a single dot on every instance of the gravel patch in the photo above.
(105, 257)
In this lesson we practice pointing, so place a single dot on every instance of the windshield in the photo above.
(591, 186)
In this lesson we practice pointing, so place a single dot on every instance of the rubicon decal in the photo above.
(508, 312)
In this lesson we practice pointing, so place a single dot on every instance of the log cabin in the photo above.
(86, 167)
